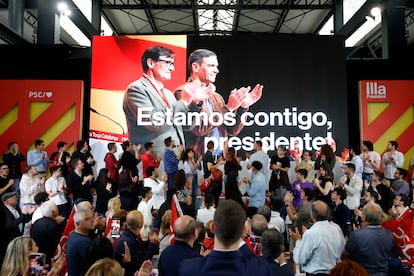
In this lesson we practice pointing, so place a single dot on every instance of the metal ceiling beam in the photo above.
(16, 16)
(81, 21)
(116, 32)
(338, 14)
(282, 17)
(243, 6)
(149, 16)
(10, 36)
(96, 14)
(236, 18)
(323, 22)
(357, 19)
(76, 16)
(393, 35)
(48, 24)
(194, 12)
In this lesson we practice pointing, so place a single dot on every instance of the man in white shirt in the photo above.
(320, 247)
(158, 187)
(391, 160)
(276, 220)
(371, 160)
(55, 186)
(261, 156)
(207, 213)
(145, 210)
(30, 185)
(352, 185)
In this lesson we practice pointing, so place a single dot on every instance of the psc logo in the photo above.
(40, 94)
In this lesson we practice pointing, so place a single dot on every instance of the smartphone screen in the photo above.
(36, 263)
(116, 228)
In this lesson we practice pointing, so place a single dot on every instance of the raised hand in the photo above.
(252, 97)
(196, 91)
(236, 97)
(145, 269)
(295, 235)
(126, 257)
(164, 177)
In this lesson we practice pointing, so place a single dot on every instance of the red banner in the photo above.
(403, 232)
(50, 110)
(387, 114)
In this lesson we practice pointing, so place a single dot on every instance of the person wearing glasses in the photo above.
(203, 68)
(6, 182)
(147, 99)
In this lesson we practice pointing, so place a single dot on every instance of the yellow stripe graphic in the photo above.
(9, 119)
(395, 130)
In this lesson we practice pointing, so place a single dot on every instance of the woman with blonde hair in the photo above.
(105, 267)
(114, 206)
(16, 259)
(165, 230)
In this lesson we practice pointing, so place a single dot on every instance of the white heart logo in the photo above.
(49, 94)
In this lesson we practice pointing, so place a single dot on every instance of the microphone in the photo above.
(107, 117)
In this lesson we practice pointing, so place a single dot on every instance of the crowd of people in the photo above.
(124, 224)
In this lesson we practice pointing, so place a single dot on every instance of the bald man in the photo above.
(186, 233)
(139, 250)
(320, 247)
(258, 226)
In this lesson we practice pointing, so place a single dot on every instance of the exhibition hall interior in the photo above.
(157, 102)
(53, 39)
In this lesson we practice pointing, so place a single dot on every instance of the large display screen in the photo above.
(303, 102)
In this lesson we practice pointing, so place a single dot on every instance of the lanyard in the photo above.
(160, 93)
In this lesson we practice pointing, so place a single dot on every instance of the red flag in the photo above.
(403, 232)
(108, 225)
(176, 212)
(61, 248)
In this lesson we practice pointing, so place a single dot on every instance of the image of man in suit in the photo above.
(148, 105)
(203, 68)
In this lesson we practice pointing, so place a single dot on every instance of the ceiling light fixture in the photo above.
(376, 12)
(63, 9)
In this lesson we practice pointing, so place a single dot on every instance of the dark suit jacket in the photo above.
(277, 269)
(87, 169)
(225, 263)
(46, 232)
(12, 224)
(74, 183)
(140, 251)
(173, 255)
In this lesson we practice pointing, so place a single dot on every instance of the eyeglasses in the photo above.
(169, 63)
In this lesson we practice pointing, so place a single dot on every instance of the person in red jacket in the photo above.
(147, 158)
(111, 163)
